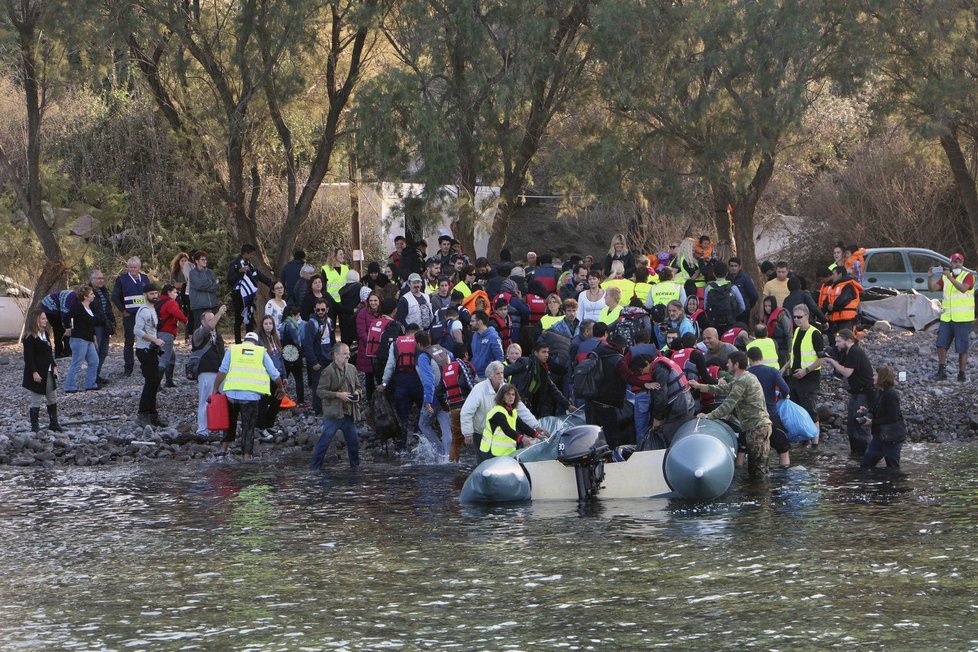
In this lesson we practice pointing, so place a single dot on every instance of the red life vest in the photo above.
(374, 334)
(502, 295)
(707, 398)
(772, 321)
(406, 351)
(538, 307)
(681, 357)
(504, 329)
(677, 379)
(730, 336)
(451, 374)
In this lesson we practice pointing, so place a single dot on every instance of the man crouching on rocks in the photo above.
(340, 392)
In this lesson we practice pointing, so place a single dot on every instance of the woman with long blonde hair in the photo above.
(619, 251)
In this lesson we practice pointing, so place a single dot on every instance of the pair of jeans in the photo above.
(248, 411)
(128, 324)
(313, 376)
(102, 345)
(877, 450)
(149, 367)
(426, 424)
(350, 436)
(641, 416)
(205, 387)
(169, 357)
(82, 351)
(407, 392)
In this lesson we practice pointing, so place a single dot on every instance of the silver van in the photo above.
(902, 268)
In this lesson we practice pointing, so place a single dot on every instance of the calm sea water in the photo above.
(267, 556)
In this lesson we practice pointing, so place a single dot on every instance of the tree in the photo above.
(726, 83)
(478, 87)
(930, 69)
(34, 56)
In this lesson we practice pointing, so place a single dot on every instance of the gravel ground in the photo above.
(100, 426)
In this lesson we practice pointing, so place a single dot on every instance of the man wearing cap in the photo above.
(148, 350)
(244, 376)
(957, 314)
(413, 307)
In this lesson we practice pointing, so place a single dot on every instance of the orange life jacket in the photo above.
(850, 310)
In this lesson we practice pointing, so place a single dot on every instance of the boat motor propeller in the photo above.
(585, 450)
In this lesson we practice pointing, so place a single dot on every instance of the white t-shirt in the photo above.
(587, 309)
(275, 311)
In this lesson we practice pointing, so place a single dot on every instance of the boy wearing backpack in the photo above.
(432, 358)
(722, 300)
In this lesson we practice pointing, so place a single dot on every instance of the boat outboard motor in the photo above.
(584, 448)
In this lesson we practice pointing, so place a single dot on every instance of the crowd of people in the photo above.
(474, 353)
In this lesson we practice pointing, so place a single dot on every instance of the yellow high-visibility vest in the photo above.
(768, 349)
(247, 371)
(496, 442)
(335, 280)
(958, 307)
(609, 316)
(808, 355)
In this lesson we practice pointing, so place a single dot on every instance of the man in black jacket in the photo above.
(243, 280)
(854, 365)
(104, 319)
(536, 387)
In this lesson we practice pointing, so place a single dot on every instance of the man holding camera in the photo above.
(340, 390)
(149, 348)
(957, 313)
(854, 365)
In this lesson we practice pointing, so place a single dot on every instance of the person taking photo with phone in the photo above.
(957, 313)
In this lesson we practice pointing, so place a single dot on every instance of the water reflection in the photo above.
(269, 556)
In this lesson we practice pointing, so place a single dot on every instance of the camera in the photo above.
(862, 419)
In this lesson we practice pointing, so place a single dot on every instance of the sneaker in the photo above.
(961, 377)
(941, 374)
(266, 436)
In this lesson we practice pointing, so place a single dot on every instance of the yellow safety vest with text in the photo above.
(958, 307)
(496, 442)
(768, 350)
(665, 292)
(247, 371)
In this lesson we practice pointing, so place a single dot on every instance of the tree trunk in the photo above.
(964, 180)
(508, 196)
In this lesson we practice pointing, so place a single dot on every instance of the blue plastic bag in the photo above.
(797, 422)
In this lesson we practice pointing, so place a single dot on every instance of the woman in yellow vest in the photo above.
(554, 314)
(335, 271)
(504, 430)
(612, 308)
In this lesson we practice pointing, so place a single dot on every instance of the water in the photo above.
(267, 556)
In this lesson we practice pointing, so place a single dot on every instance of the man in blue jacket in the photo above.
(317, 345)
(486, 345)
(431, 358)
(743, 282)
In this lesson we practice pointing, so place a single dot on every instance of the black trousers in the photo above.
(128, 324)
(294, 369)
(149, 367)
(605, 416)
(248, 411)
(270, 407)
(237, 306)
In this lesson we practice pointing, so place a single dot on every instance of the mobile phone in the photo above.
(355, 397)
(937, 271)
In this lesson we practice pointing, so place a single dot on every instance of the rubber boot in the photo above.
(53, 424)
(169, 375)
(941, 372)
(35, 419)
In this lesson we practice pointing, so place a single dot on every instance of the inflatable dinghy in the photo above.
(575, 463)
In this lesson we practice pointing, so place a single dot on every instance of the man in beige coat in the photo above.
(340, 392)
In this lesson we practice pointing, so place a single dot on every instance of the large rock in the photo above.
(882, 326)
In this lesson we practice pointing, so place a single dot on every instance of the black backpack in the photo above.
(721, 305)
(588, 377)
(441, 334)
(631, 321)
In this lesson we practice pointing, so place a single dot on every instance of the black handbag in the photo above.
(893, 433)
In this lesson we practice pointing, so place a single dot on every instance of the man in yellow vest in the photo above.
(767, 347)
(805, 361)
(665, 290)
(957, 314)
(335, 271)
(246, 372)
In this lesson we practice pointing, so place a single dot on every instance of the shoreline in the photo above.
(100, 428)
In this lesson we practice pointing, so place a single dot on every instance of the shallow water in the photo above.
(268, 556)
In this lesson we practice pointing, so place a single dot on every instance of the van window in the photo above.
(886, 262)
(922, 263)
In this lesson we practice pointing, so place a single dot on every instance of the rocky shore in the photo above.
(100, 427)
